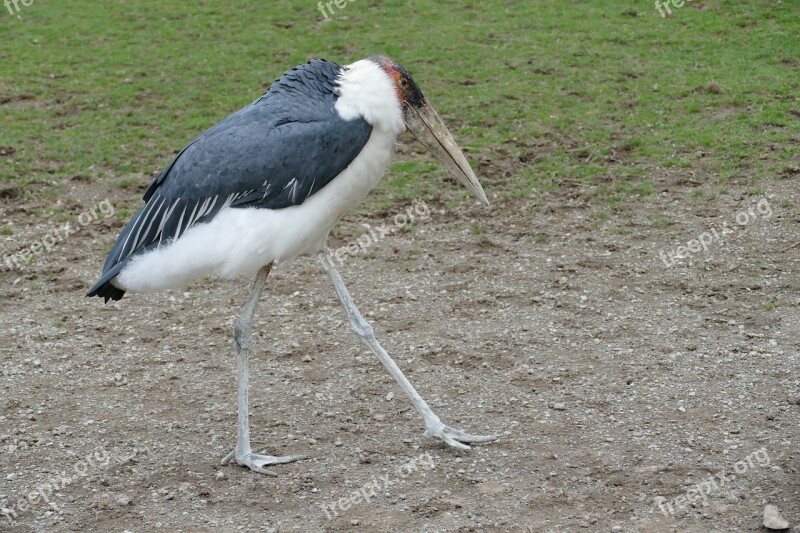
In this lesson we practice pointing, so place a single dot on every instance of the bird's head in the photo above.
(425, 124)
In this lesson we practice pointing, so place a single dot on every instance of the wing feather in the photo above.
(274, 153)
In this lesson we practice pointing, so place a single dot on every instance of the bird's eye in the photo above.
(403, 83)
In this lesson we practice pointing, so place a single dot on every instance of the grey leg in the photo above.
(434, 427)
(242, 337)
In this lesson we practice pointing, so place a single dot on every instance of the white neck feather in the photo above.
(367, 91)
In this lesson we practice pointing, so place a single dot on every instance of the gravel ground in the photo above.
(629, 395)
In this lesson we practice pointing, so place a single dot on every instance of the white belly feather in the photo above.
(239, 241)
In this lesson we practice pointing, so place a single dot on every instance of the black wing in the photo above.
(272, 154)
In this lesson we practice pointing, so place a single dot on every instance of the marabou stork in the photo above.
(266, 185)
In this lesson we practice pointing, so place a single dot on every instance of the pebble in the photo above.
(616, 528)
(389, 397)
(559, 407)
(773, 518)
(307, 359)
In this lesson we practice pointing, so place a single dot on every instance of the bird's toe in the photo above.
(457, 438)
(258, 463)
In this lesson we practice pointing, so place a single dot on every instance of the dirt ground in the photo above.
(616, 382)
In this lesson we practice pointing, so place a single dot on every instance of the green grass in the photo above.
(477, 229)
(603, 93)
(661, 222)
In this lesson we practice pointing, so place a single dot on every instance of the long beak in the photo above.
(426, 125)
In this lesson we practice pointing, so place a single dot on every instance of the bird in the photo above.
(266, 185)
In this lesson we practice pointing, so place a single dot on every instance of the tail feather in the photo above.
(113, 266)
(104, 287)
(107, 291)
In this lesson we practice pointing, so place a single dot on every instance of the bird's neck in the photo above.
(365, 90)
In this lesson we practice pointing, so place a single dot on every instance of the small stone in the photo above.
(559, 407)
(37, 362)
(123, 500)
(307, 359)
(773, 518)
(11, 477)
(380, 417)
(295, 344)
(616, 528)
(220, 475)
(389, 397)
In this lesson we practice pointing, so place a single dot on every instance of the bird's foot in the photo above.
(256, 462)
(456, 438)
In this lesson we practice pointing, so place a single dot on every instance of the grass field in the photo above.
(540, 93)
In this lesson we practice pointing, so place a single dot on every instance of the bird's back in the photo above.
(273, 154)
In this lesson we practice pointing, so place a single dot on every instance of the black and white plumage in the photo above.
(268, 184)
(273, 154)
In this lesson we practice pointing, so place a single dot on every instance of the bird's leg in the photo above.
(434, 427)
(242, 337)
